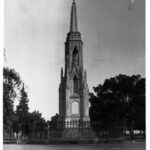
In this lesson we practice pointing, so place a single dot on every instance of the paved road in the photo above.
(122, 146)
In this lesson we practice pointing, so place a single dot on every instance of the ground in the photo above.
(120, 146)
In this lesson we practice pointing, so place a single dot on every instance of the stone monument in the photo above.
(73, 89)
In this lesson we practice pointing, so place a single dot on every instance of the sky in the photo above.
(35, 32)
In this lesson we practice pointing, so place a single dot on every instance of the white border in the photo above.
(147, 70)
(1, 66)
(147, 74)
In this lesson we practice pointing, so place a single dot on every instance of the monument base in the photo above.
(74, 134)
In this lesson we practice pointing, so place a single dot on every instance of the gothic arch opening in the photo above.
(75, 108)
(75, 51)
(75, 84)
(75, 56)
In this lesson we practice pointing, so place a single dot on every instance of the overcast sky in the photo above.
(35, 32)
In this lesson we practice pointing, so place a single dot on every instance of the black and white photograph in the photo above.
(74, 75)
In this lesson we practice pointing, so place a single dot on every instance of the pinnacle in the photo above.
(73, 21)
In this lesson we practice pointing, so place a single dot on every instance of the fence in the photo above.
(68, 129)
(76, 129)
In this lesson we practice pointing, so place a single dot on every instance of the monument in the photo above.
(73, 89)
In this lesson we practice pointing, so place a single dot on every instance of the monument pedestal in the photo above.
(77, 134)
(72, 135)
(74, 130)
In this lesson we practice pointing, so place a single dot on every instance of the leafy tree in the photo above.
(22, 111)
(36, 122)
(115, 104)
(11, 87)
(21, 119)
(53, 122)
(138, 105)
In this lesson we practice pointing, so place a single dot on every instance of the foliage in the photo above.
(22, 111)
(11, 87)
(119, 104)
(36, 122)
(53, 122)
(21, 119)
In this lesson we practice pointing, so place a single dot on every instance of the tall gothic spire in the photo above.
(73, 20)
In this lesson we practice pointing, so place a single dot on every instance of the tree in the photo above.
(53, 122)
(22, 111)
(36, 122)
(115, 104)
(11, 87)
(21, 119)
(138, 105)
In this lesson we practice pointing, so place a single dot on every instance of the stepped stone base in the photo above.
(74, 134)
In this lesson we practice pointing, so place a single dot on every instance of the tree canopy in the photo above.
(21, 118)
(119, 104)
(11, 88)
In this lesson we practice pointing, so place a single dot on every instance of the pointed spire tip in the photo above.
(73, 21)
